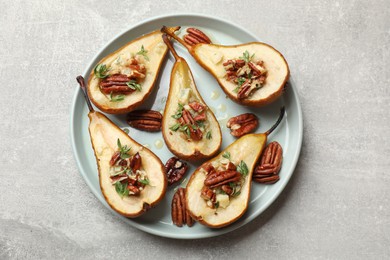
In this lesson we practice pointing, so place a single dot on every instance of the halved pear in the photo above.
(104, 138)
(182, 91)
(246, 149)
(212, 56)
(150, 51)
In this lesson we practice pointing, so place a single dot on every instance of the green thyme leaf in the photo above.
(125, 155)
(101, 71)
(232, 184)
(143, 52)
(236, 89)
(183, 128)
(246, 56)
(216, 205)
(117, 98)
(129, 171)
(243, 168)
(177, 115)
(121, 189)
(186, 130)
(236, 193)
(241, 81)
(200, 123)
(134, 85)
(194, 127)
(208, 135)
(226, 155)
(126, 130)
(123, 150)
(144, 182)
(175, 127)
(179, 112)
(188, 133)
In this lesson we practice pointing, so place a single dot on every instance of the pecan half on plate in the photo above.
(175, 169)
(180, 215)
(270, 163)
(145, 120)
(195, 36)
(242, 124)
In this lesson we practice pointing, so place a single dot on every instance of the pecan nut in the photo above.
(270, 163)
(227, 189)
(196, 106)
(217, 179)
(208, 194)
(267, 179)
(242, 124)
(175, 169)
(196, 134)
(146, 120)
(245, 90)
(180, 215)
(208, 168)
(135, 162)
(195, 36)
(115, 84)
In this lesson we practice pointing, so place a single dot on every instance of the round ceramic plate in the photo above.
(289, 133)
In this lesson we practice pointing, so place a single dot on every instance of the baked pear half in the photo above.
(189, 127)
(121, 81)
(251, 74)
(132, 178)
(217, 193)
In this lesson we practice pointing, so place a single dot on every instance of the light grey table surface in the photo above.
(337, 204)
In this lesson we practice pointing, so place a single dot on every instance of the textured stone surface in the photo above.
(337, 204)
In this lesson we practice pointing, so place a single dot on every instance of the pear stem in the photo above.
(81, 81)
(171, 32)
(169, 44)
(282, 110)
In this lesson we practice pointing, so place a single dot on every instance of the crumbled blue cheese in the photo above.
(216, 57)
(223, 200)
(184, 95)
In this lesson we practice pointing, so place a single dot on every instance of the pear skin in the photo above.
(154, 52)
(181, 78)
(212, 56)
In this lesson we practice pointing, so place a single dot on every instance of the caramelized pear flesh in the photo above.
(179, 134)
(212, 57)
(105, 136)
(134, 84)
(248, 149)
(243, 153)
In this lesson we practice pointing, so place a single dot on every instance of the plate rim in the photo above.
(211, 232)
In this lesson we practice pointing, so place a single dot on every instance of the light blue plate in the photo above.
(289, 133)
